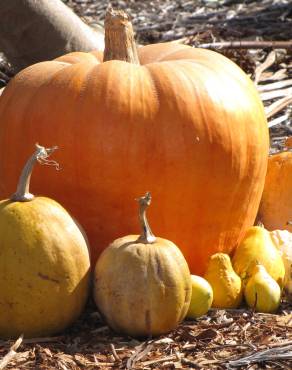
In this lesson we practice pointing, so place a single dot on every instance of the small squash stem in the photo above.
(146, 236)
(40, 155)
(119, 37)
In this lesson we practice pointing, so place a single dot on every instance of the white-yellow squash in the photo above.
(225, 283)
(257, 248)
(262, 292)
(44, 263)
(202, 297)
(282, 239)
(142, 284)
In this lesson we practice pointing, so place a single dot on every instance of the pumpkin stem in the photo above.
(119, 37)
(146, 236)
(40, 155)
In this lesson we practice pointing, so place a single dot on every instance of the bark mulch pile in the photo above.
(247, 32)
(223, 339)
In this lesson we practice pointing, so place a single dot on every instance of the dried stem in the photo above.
(119, 37)
(40, 155)
(146, 236)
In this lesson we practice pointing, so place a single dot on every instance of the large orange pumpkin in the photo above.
(186, 124)
(276, 206)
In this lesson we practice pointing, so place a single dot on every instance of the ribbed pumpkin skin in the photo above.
(142, 289)
(188, 125)
(276, 204)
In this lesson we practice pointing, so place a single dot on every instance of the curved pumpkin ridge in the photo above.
(159, 52)
(81, 57)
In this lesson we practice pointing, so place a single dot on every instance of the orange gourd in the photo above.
(276, 205)
(186, 123)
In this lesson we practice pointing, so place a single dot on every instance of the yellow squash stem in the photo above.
(40, 155)
(146, 236)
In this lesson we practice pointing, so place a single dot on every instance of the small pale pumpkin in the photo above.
(142, 284)
(44, 262)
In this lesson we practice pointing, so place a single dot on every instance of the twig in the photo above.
(278, 120)
(270, 60)
(277, 106)
(247, 45)
(160, 359)
(11, 354)
(141, 351)
(114, 352)
(276, 94)
(278, 353)
(274, 85)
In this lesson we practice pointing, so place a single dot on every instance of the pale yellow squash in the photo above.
(142, 284)
(262, 292)
(282, 239)
(44, 263)
(257, 248)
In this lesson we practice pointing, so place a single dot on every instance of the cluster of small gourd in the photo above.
(256, 272)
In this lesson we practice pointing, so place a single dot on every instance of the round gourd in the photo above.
(257, 248)
(276, 205)
(44, 262)
(225, 283)
(185, 122)
(202, 297)
(262, 293)
(142, 284)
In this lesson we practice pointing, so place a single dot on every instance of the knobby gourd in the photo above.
(142, 284)
(225, 283)
(185, 122)
(44, 262)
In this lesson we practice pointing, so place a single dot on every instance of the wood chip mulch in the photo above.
(223, 339)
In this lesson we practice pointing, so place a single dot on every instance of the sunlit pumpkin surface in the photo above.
(276, 205)
(187, 124)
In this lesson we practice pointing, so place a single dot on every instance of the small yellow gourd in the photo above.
(257, 248)
(282, 239)
(262, 292)
(202, 297)
(226, 284)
